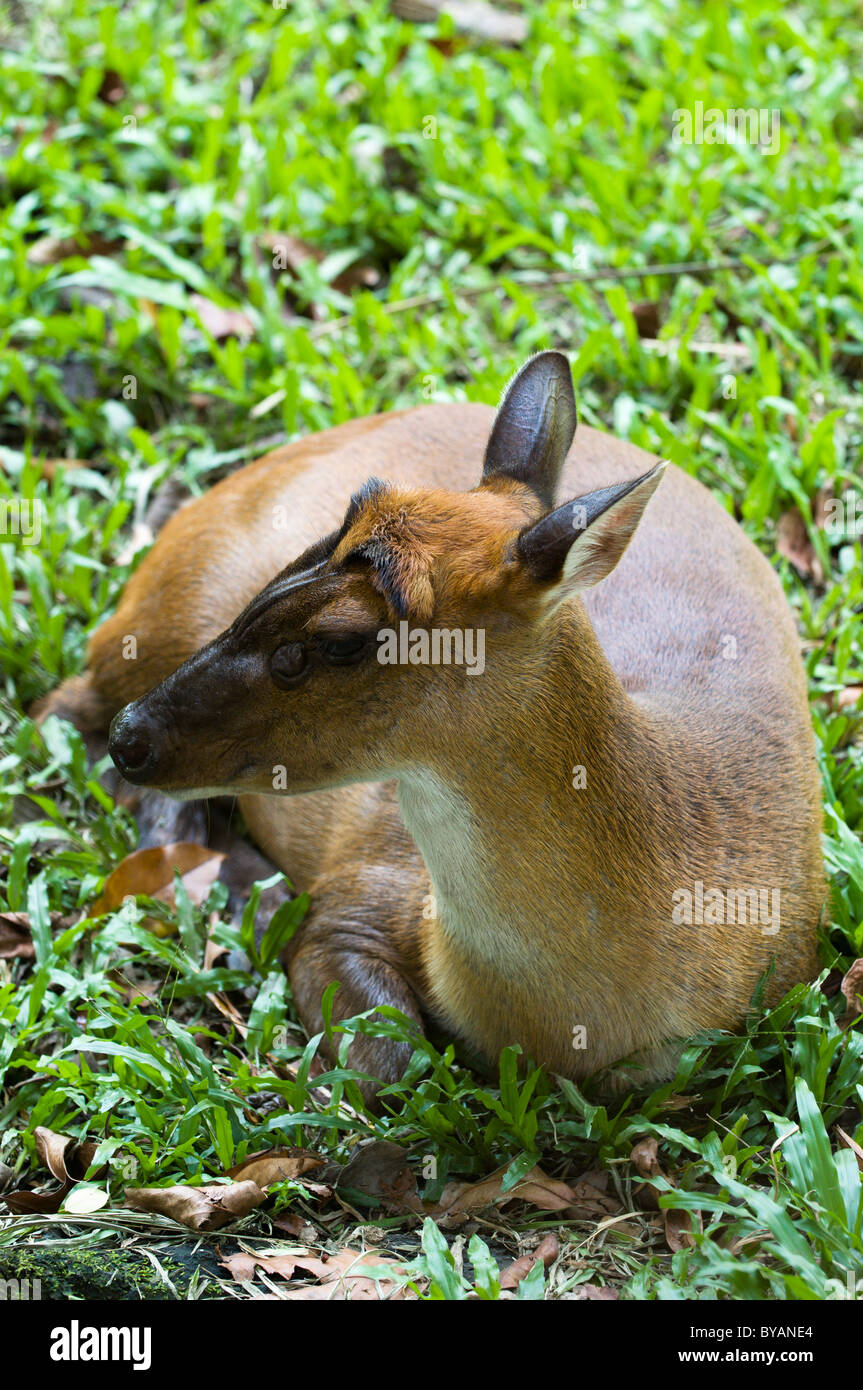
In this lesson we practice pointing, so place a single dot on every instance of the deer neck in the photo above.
(536, 810)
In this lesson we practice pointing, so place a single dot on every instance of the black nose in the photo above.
(132, 745)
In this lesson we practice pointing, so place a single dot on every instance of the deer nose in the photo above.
(132, 745)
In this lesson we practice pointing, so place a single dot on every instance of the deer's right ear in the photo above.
(534, 427)
(578, 544)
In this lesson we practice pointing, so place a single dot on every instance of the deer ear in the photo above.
(534, 427)
(578, 544)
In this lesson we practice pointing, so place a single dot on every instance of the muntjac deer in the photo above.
(546, 771)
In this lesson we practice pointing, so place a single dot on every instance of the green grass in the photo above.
(167, 141)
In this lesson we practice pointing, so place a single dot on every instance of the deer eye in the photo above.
(342, 651)
(288, 664)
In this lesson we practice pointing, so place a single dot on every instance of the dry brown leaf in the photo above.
(792, 541)
(112, 88)
(343, 1275)
(730, 352)
(677, 1225)
(596, 1292)
(212, 950)
(380, 1169)
(678, 1229)
(222, 323)
(198, 1208)
(646, 315)
(294, 251)
(459, 1199)
(547, 1251)
(24, 1203)
(677, 1103)
(592, 1202)
(292, 1224)
(267, 1168)
(473, 17)
(852, 1145)
(852, 991)
(317, 1189)
(49, 468)
(15, 939)
(66, 1159)
(645, 1158)
(150, 872)
(849, 697)
(50, 250)
(289, 253)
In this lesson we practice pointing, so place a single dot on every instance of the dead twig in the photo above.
(574, 277)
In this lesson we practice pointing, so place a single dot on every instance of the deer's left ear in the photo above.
(578, 544)
(534, 427)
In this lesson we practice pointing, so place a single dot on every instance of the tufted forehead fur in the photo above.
(430, 550)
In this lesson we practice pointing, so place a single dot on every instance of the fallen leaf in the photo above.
(291, 1224)
(293, 251)
(112, 87)
(850, 696)
(595, 1292)
(213, 951)
(198, 1208)
(267, 1168)
(460, 1199)
(645, 1158)
(678, 1229)
(730, 352)
(677, 1103)
(49, 468)
(66, 1159)
(547, 1251)
(219, 322)
(646, 315)
(823, 497)
(592, 1202)
(852, 1145)
(379, 1169)
(82, 1201)
(677, 1225)
(24, 1203)
(150, 873)
(473, 17)
(792, 541)
(852, 990)
(51, 250)
(290, 253)
(344, 1275)
(15, 937)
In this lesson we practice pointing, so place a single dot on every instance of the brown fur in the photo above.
(536, 907)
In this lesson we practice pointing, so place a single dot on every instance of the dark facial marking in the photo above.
(310, 565)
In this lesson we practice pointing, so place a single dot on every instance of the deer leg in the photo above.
(363, 931)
